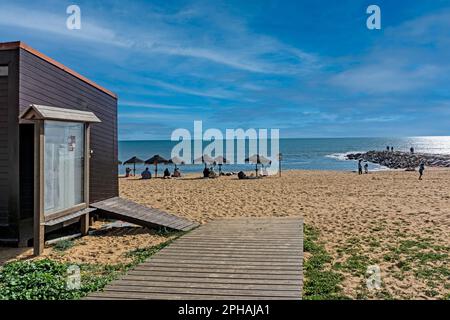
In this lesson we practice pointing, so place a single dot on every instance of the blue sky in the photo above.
(309, 68)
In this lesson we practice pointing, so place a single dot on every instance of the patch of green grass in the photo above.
(320, 283)
(142, 254)
(374, 243)
(431, 293)
(35, 280)
(357, 264)
(427, 261)
(63, 245)
(47, 279)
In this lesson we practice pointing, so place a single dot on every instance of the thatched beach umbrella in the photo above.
(119, 162)
(204, 159)
(155, 160)
(134, 160)
(176, 161)
(220, 160)
(257, 159)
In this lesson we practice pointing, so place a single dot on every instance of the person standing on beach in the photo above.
(392, 149)
(387, 148)
(412, 150)
(360, 166)
(366, 168)
(421, 169)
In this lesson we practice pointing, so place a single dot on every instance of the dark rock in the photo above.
(402, 160)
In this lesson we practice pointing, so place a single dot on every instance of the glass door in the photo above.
(64, 152)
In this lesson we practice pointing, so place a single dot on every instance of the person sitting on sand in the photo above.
(176, 173)
(421, 169)
(264, 172)
(212, 173)
(166, 174)
(206, 172)
(242, 175)
(366, 168)
(146, 174)
(127, 172)
(360, 166)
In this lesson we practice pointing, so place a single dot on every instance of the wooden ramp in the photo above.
(249, 258)
(129, 211)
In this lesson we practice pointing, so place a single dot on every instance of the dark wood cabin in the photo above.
(58, 145)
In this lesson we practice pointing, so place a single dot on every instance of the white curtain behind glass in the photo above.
(63, 165)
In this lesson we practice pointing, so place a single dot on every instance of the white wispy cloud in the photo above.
(410, 58)
(194, 32)
(52, 23)
(138, 104)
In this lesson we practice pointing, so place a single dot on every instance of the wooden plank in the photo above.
(214, 274)
(136, 213)
(218, 262)
(223, 280)
(223, 269)
(230, 256)
(206, 285)
(222, 292)
(233, 261)
(114, 295)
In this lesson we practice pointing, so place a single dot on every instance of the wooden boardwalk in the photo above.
(227, 259)
(126, 210)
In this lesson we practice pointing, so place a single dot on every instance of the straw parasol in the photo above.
(220, 160)
(205, 159)
(155, 160)
(134, 160)
(258, 159)
(119, 162)
(176, 161)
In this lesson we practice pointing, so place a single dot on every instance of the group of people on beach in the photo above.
(360, 167)
(146, 174)
(391, 149)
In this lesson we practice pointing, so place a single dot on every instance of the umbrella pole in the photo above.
(256, 169)
(134, 169)
(156, 170)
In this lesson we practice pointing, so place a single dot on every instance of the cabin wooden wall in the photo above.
(9, 132)
(46, 84)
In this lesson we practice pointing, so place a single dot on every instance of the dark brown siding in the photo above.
(9, 151)
(43, 83)
(4, 151)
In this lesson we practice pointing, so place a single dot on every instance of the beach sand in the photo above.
(389, 219)
(106, 247)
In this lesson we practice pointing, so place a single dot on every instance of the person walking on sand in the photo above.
(366, 168)
(387, 148)
(392, 149)
(421, 169)
(360, 166)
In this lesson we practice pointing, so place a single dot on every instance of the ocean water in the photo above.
(306, 154)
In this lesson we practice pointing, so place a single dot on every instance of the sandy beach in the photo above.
(389, 219)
